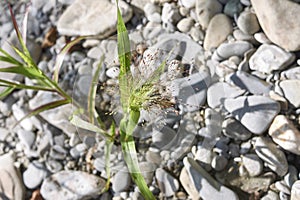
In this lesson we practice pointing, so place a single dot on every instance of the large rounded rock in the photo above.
(205, 11)
(280, 22)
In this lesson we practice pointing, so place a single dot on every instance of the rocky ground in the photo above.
(234, 71)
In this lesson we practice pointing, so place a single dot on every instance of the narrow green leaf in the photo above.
(8, 58)
(6, 92)
(31, 73)
(62, 54)
(16, 85)
(93, 89)
(26, 58)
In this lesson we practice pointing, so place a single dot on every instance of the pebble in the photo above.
(295, 192)
(219, 91)
(185, 24)
(242, 109)
(252, 164)
(219, 27)
(170, 13)
(113, 72)
(291, 73)
(232, 128)
(147, 170)
(262, 38)
(269, 58)
(95, 52)
(291, 177)
(219, 162)
(34, 174)
(238, 48)
(167, 184)
(204, 184)
(248, 23)
(233, 8)
(26, 138)
(73, 185)
(196, 33)
(280, 28)
(10, 181)
(121, 181)
(289, 88)
(206, 10)
(150, 9)
(285, 134)
(189, 4)
(3, 134)
(271, 195)
(19, 113)
(73, 20)
(249, 83)
(53, 166)
(273, 157)
(282, 187)
(187, 185)
(155, 18)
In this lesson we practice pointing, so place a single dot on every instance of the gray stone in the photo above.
(271, 195)
(34, 175)
(121, 181)
(150, 8)
(196, 33)
(232, 128)
(269, 58)
(219, 162)
(252, 164)
(53, 166)
(254, 112)
(185, 24)
(237, 48)
(201, 181)
(292, 73)
(219, 91)
(58, 152)
(250, 83)
(188, 3)
(205, 11)
(3, 134)
(248, 23)
(11, 185)
(295, 193)
(291, 176)
(147, 170)
(19, 113)
(82, 18)
(155, 18)
(282, 187)
(273, 157)
(95, 52)
(170, 13)
(27, 138)
(285, 134)
(289, 88)
(167, 184)
(281, 28)
(73, 185)
(66, 2)
(219, 27)
(233, 8)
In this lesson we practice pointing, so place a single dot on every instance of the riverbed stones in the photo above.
(279, 21)
(285, 134)
(290, 88)
(205, 11)
(269, 58)
(167, 183)
(248, 23)
(237, 48)
(73, 20)
(254, 112)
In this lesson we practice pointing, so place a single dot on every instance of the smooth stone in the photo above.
(11, 185)
(240, 35)
(113, 72)
(82, 18)
(295, 192)
(219, 27)
(167, 184)
(170, 13)
(254, 112)
(196, 33)
(233, 8)
(34, 174)
(54, 166)
(282, 187)
(248, 22)
(292, 73)
(163, 137)
(26, 138)
(189, 4)
(271, 195)
(191, 91)
(249, 83)
(121, 181)
(73, 185)
(269, 58)
(212, 130)
(219, 162)
(237, 48)
(147, 170)
(207, 187)
(150, 8)
(253, 164)
(262, 38)
(206, 10)
(19, 113)
(95, 52)
(185, 24)
(155, 18)
(291, 177)
(3, 134)
(273, 157)
(289, 88)
(219, 91)
(232, 128)
(188, 185)
(285, 134)
(281, 28)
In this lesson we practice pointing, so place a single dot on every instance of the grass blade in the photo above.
(6, 92)
(31, 73)
(16, 85)
(62, 54)
(8, 58)
(92, 91)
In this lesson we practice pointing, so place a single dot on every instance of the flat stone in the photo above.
(285, 134)
(121, 181)
(201, 181)
(254, 112)
(75, 185)
(82, 18)
(295, 193)
(188, 185)
(238, 48)
(273, 157)
(279, 21)
(232, 128)
(290, 88)
(291, 176)
(219, 91)
(248, 23)
(27, 138)
(185, 24)
(34, 174)
(11, 185)
(219, 162)
(271, 195)
(166, 183)
(253, 164)
(19, 113)
(269, 58)
(205, 11)
(219, 27)
(147, 170)
(291, 73)
(3, 134)
(188, 3)
(249, 83)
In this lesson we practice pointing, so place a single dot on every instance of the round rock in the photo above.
(248, 23)
(253, 164)
(34, 175)
(167, 183)
(185, 24)
(290, 88)
(205, 11)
